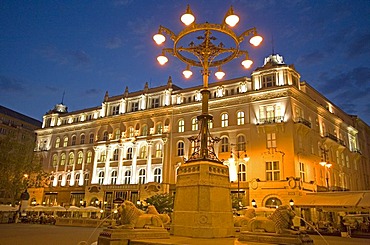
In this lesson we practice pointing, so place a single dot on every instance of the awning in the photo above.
(335, 201)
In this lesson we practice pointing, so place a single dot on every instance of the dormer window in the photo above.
(268, 81)
(135, 106)
(115, 110)
(155, 102)
(242, 87)
(220, 91)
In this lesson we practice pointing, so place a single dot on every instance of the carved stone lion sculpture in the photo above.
(279, 222)
(164, 217)
(240, 221)
(132, 217)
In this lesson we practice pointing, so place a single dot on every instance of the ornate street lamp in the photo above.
(202, 52)
(254, 204)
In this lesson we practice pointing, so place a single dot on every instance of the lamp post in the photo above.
(237, 156)
(254, 204)
(325, 164)
(202, 52)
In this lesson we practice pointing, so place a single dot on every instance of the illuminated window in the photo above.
(302, 171)
(224, 120)
(113, 178)
(73, 142)
(57, 142)
(129, 153)
(271, 140)
(117, 134)
(180, 148)
(80, 157)
(181, 126)
(272, 170)
(194, 124)
(273, 202)
(240, 118)
(87, 179)
(242, 172)
(115, 155)
(159, 128)
(77, 179)
(55, 160)
(157, 175)
(142, 176)
(158, 150)
(63, 159)
(71, 158)
(131, 132)
(224, 144)
(103, 156)
(65, 142)
(101, 178)
(89, 157)
(127, 177)
(143, 152)
(210, 124)
(144, 130)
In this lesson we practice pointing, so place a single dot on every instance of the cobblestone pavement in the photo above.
(35, 234)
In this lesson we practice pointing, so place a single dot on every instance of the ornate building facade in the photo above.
(274, 131)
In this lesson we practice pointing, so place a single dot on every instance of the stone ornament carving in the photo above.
(164, 217)
(240, 221)
(132, 217)
(279, 222)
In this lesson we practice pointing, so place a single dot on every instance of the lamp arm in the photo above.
(247, 33)
(167, 31)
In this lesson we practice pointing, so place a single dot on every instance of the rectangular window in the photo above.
(135, 106)
(268, 81)
(271, 140)
(272, 170)
(302, 172)
(155, 102)
(115, 110)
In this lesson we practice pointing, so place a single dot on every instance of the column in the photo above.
(133, 164)
(94, 178)
(149, 162)
(107, 165)
(120, 177)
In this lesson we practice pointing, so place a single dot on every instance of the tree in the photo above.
(19, 168)
(162, 202)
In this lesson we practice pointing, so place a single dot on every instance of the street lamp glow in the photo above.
(187, 72)
(188, 17)
(219, 74)
(162, 59)
(256, 40)
(231, 19)
(159, 38)
(247, 63)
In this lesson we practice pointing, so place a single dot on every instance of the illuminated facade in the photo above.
(131, 146)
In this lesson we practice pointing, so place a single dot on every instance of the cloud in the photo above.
(113, 43)
(92, 91)
(359, 46)
(312, 58)
(8, 84)
(77, 58)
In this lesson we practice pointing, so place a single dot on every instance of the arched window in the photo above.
(180, 148)
(101, 178)
(131, 132)
(80, 157)
(117, 134)
(242, 172)
(142, 176)
(113, 177)
(210, 124)
(77, 179)
(87, 179)
(57, 142)
(82, 139)
(241, 143)
(224, 144)
(143, 153)
(240, 118)
(129, 153)
(91, 138)
(71, 158)
(68, 182)
(105, 136)
(158, 150)
(103, 156)
(194, 124)
(55, 160)
(144, 130)
(157, 175)
(273, 202)
(89, 157)
(224, 120)
(74, 138)
(60, 178)
(65, 142)
(62, 159)
(159, 128)
(115, 155)
(127, 177)
(181, 126)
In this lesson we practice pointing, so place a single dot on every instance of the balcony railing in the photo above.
(333, 137)
(270, 120)
(304, 122)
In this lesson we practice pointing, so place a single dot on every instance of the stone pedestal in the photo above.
(124, 236)
(202, 202)
(273, 238)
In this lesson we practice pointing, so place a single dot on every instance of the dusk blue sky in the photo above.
(88, 47)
